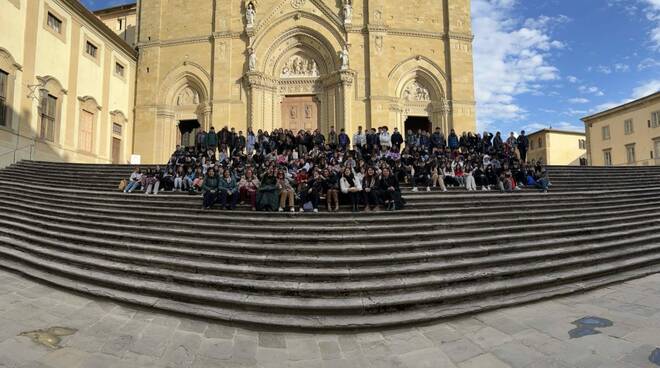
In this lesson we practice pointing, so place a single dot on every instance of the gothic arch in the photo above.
(300, 40)
(187, 75)
(422, 69)
(311, 31)
(279, 14)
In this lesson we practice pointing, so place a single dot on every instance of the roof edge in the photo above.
(621, 107)
(550, 130)
(85, 13)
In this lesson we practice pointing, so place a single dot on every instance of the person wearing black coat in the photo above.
(523, 144)
(390, 191)
(397, 140)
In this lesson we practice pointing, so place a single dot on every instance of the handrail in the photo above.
(31, 146)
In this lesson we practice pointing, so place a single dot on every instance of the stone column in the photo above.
(346, 78)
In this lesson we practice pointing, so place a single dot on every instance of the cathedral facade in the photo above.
(300, 64)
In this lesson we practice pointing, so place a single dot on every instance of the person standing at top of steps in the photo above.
(210, 189)
(523, 144)
(212, 140)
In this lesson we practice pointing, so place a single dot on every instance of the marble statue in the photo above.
(343, 56)
(252, 60)
(250, 15)
(348, 12)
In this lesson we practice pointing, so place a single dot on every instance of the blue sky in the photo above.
(549, 63)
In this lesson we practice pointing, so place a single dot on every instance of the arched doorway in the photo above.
(417, 123)
(188, 130)
(298, 84)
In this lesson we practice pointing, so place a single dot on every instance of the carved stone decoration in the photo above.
(250, 15)
(252, 60)
(379, 44)
(187, 97)
(343, 57)
(416, 92)
(297, 4)
(347, 12)
(299, 66)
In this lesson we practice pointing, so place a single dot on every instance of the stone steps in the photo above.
(318, 313)
(446, 254)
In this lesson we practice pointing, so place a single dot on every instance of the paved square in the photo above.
(529, 336)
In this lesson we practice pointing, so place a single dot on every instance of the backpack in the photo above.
(122, 185)
(308, 207)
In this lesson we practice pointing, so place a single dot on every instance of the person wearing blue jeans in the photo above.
(135, 181)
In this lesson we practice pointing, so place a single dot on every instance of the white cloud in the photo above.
(640, 91)
(572, 79)
(511, 58)
(578, 100)
(648, 63)
(653, 14)
(591, 90)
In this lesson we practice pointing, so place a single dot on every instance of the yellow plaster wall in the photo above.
(644, 136)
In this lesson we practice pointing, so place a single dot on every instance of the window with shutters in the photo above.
(86, 133)
(54, 23)
(48, 117)
(606, 132)
(655, 119)
(630, 153)
(628, 127)
(91, 49)
(607, 157)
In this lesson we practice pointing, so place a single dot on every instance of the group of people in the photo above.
(284, 170)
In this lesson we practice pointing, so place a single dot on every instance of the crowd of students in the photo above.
(283, 170)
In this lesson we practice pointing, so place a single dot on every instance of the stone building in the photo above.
(557, 147)
(300, 64)
(66, 85)
(122, 20)
(626, 135)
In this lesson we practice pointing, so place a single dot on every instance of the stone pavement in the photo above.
(622, 330)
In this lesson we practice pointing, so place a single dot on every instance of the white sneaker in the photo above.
(280, 209)
(414, 189)
(302, 209)
(428, 189)
(483, 189)
(293, 209)
(316, 210)
(444, 190)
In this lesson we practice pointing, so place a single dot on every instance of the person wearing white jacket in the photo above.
(351, 186)
(385, 140)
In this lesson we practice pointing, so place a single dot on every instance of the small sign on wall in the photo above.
(136, 159)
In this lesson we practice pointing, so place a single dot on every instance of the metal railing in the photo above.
(14, 152)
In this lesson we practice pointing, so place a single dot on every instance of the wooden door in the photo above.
(300, 113)
(116, 150)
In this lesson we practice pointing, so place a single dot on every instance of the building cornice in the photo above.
(98, 25)
(621, 108)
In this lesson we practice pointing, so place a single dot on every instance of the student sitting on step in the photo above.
(210, 189)
(228, 196)
(135, 181)
(390, 191)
